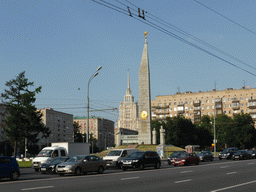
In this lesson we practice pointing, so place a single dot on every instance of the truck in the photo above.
(60, 149)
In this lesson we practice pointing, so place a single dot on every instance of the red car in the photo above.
(186, 159)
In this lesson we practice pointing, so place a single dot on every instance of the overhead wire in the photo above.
(225, 17)
(192, 37)
(180, 38)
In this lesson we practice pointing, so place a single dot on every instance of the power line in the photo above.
(193, 37)
(183, 40)
(225, 17)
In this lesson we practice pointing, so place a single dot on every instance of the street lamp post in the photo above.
(87, 126)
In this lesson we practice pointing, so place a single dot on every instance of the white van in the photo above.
(114, 157)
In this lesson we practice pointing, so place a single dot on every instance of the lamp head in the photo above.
(99, 68)
(95, 74)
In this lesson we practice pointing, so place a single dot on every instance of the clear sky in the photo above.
(61, 43)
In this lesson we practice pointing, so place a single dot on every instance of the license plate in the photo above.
(108, 164)
(237, 156)
(172, 160)
(177, 162)
(35, 165)
(60, 169)
(127, 163)
(43, 169)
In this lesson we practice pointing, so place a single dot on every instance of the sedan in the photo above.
(205, 155)
(174, 156)
(187, 159)
(241, 154)
(82, 164)
(51, 167)
(253, 153)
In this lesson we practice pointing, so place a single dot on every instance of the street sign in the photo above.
(215, 140)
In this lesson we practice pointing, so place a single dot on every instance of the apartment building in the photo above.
(60, 124)
(195, 105)
(101, 129)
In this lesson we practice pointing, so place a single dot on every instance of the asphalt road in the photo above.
(224, 175)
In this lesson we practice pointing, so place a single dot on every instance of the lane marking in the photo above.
(130, 178)
(250, 163)
(231, 173)
(27, 189)
(186, 171)
(183, 181)
(109, 174)
(222, 189)
(224, 167)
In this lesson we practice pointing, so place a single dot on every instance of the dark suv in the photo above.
(139, 160)
(227, 153)
(9, 168)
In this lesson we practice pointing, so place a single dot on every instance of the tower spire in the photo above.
(128, 91)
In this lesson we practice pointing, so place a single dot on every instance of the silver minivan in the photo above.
(114, 157)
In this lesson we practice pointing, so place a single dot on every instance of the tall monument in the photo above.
(144, 132)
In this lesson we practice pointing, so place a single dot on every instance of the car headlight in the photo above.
(183, 160)
(253, 154)
(51, 166)
(134, 161)
(69, 166)
(228, 154)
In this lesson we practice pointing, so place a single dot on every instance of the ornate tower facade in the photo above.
(144, 98)
(128, 111)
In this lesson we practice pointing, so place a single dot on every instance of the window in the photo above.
(170, 115)
(207, 101)
(213, 107)
(191, 114)
(229, 112)
(229, 105)
(186, 114)
(174, 103)
(170, 103)
(175, 115)
(241, 104)
(247, 110)
(246, 98)
(224, 100)
(229, 99)
(202, 102)
(190, 102)
(207, 107)
(175, 109)
(224, 106)
(224, 112)
(186, 108)
(191, 108)
(212, 100)
(202, 108)
(242, 111)
(241, 98)
(213, 112)
(203, 113)
(208, 113)
(170, 109)
(62, 153)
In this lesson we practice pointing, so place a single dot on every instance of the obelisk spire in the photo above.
(128, 91)
(144, 131)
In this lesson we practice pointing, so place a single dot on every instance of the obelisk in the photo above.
(144, 131)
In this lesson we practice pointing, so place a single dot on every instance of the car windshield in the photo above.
(200, 154)
(176, 153)
(114, 153)
(45, 153)
(136, 155)
(184, 155)
(57, 160)
(75, 159)
(226, 151)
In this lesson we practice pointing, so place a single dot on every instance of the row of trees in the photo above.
(236, 131)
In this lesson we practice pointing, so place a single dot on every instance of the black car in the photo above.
(174, 156)
(139, 160)
(253, 153)
(51, 167)
(205, 155)
(9, 168)
(227, 153)
(242, 154)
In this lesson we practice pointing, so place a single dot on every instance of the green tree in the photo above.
(24, 120)
(78, 137)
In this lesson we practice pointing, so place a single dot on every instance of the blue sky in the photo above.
(61, 43)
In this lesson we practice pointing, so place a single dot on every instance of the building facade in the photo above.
(195, 105)
(60, 124)
(101, 129)
(128, 111)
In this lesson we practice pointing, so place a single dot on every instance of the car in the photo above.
(82, 164)
(174, 156)
(241, 154)
(205, 155)
(253, 153)
(227, 153)
(141, 159)
(187, 159)
(9, 168)
(51, 167)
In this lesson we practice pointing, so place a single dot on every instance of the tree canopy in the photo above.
(23, 120)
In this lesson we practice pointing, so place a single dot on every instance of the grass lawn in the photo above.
(24, 163)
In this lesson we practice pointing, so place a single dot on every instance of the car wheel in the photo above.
(141, 166)
(14, 175)
(169, 163)
(157, 166)
(77, 171)
(211, 159)
(61, 174)
(175, 165)
(124, 168)
(36, 169)
(100, 170)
